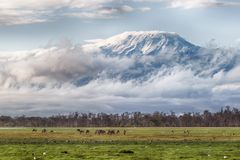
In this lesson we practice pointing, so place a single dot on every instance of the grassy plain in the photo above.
(138, 144)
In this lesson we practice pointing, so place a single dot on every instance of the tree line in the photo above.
(226, 117)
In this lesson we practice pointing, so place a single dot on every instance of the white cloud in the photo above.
(13, 17)
(47, 81)
(27, 11)
(29, 4)
(103, 12)
(145, 9)
(189, 4)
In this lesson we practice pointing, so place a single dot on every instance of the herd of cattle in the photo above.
(102, 132)
(109, 132)
(97, 132)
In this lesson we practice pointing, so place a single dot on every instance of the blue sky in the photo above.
(29, 25)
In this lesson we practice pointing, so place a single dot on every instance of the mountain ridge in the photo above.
(144, 43)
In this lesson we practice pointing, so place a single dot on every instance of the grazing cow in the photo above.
(44, 130)
(51, 131)
(87, 131)
(80, 131)
(100, 132)
(34, 130)
(111, 132)
(124, 132)
(117, 132)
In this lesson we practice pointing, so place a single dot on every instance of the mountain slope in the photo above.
(154, 51)
(144, 43)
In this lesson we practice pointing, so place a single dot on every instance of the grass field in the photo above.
(138, 143)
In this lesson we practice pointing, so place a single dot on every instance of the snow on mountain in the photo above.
(156, 50)
(144, 43)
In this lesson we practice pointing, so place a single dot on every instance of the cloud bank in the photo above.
(66, 78)
(189, 4)
(16, 12)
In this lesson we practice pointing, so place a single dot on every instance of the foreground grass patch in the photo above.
(144, 151)
(137, 144)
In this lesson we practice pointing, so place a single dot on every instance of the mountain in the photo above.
(130, 56)
(155, 51)
(144, 43)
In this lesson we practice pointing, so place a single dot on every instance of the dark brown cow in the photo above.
(100, 132)
(80, 131)
(87, 131)
(111, 132)
(118, 132)
(34, 130)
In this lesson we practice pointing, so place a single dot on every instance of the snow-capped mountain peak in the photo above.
(144, 43)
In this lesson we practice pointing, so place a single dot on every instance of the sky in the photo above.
(51, 57)
(31, 24)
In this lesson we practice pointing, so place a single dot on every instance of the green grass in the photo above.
(144, 151)
(138, 144)
(133, 134)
